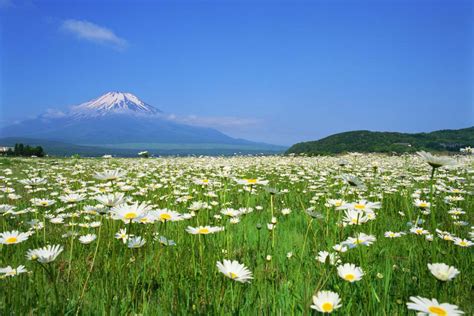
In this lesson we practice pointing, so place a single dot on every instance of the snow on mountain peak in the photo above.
(114, 103)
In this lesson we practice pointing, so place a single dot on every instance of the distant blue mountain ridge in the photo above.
(122, 118)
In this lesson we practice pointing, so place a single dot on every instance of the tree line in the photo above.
(21, 150)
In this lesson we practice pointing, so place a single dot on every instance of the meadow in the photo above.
(150, 236)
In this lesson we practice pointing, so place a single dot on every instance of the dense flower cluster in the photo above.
(364, 218)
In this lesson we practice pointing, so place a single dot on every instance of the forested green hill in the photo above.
(367, 141)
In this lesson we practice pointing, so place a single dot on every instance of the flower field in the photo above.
(350, 235)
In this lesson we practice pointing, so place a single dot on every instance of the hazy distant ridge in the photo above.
(116, 118)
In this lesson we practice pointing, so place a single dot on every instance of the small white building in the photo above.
(4, 149)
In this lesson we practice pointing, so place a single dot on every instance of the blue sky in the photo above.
(273, 71)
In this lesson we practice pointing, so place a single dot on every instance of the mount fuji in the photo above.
(114, 103)
(117, 118)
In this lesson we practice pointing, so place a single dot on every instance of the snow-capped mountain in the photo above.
(114, 103)
(116, 118)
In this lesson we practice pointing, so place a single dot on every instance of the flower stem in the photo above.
(90, 270)
(433, 217)
(305, 238)
(70, 257)
(49, 272)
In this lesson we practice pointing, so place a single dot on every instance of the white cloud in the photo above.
(93, 32)
(54, 113)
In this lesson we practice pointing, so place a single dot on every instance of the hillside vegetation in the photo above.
(367, 141)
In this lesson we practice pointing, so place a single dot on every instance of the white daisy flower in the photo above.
(109, 175)
(87, 239)
(234, 270)
(13, 237)
(432, 307)
(326, 301)
(350, 272)
(442, 271)
(436, 161)
(462, 242)
(331, 258)
(136, 242)
(46, 254)
(203, 230)
(10, 272)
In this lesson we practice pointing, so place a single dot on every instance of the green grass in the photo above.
(106, 277)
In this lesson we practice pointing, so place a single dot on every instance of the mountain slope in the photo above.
(367, 141)
(113, 129)
(114, 118)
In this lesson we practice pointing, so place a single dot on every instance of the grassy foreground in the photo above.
(307, 199)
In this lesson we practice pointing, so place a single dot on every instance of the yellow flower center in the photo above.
(423, 205)
(338, 204)
(437, 310)
(251, 181)
(462, 243)
(11, 240)
(130, 215)
(359, 206)
(349, 277)
(327, 307)
(232, 275)
(165, 216)
(44, 203)
(203, 231)
(205, 181)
